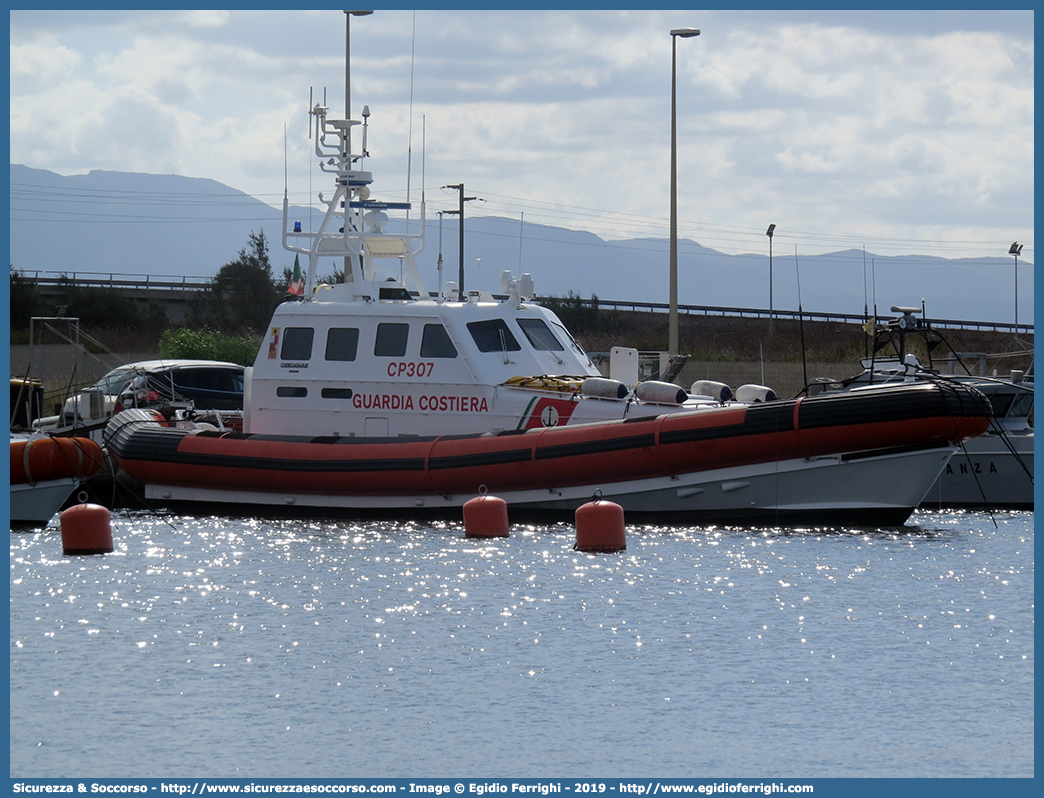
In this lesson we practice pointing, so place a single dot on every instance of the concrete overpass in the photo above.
(174, 294)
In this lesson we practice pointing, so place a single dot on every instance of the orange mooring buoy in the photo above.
(600, 527)
(86, 530)
(485, 517)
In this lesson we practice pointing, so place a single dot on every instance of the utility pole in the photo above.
(459, 188)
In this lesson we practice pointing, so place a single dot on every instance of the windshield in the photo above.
(112, 382)
(540, 335)
(573, 343)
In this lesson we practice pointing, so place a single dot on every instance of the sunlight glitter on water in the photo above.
(221, 627)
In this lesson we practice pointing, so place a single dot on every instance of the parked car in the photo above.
(207, 384)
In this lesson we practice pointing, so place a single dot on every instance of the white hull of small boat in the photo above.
(37, 503)
(987, 473)
(991, 471)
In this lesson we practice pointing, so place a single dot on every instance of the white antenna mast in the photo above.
(311, 196)
(424, 150)
(409, 142)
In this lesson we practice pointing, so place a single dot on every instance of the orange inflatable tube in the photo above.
(41, 459)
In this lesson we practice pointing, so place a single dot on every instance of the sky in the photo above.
(904, 132)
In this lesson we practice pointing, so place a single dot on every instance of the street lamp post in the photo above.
(672, 335)
(772, 313)
(1016, 250)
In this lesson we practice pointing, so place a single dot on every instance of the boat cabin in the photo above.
(351, 363)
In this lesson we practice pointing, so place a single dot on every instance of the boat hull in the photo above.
(810, 492)
(36, 503)
(992, 471)
(855, 457)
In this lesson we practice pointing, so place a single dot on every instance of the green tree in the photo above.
(244, 293)
(25, 301)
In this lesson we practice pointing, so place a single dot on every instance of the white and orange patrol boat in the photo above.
(375, 395)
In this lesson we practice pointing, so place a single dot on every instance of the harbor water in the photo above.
(254, 647)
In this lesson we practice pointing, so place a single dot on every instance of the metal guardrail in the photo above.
(144, 282)
(161, 282)
(764, 313)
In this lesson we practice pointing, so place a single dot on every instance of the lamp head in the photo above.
(771, 229)
(685, 33)
(1016, 249)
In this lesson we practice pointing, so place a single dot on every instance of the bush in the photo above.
(206, 344)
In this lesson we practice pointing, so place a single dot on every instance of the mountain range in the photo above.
(166, 225)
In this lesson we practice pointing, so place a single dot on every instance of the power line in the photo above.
(727, 239)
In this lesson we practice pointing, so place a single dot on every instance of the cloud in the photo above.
(922, 120)
(843, 123)
(40, 63)
(206, 18)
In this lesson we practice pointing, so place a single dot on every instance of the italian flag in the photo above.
(297, 283)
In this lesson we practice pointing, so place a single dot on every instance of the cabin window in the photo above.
(493, 336)
(436, 342)
(391, 340)
(291, 391)
(573, 343)
(297, 343)
(1001, 403)
(540, 335)
(1011, 404)
(1022, 405)
(342, 343)
(337, 393)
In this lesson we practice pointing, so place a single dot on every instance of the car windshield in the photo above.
(112, 382)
